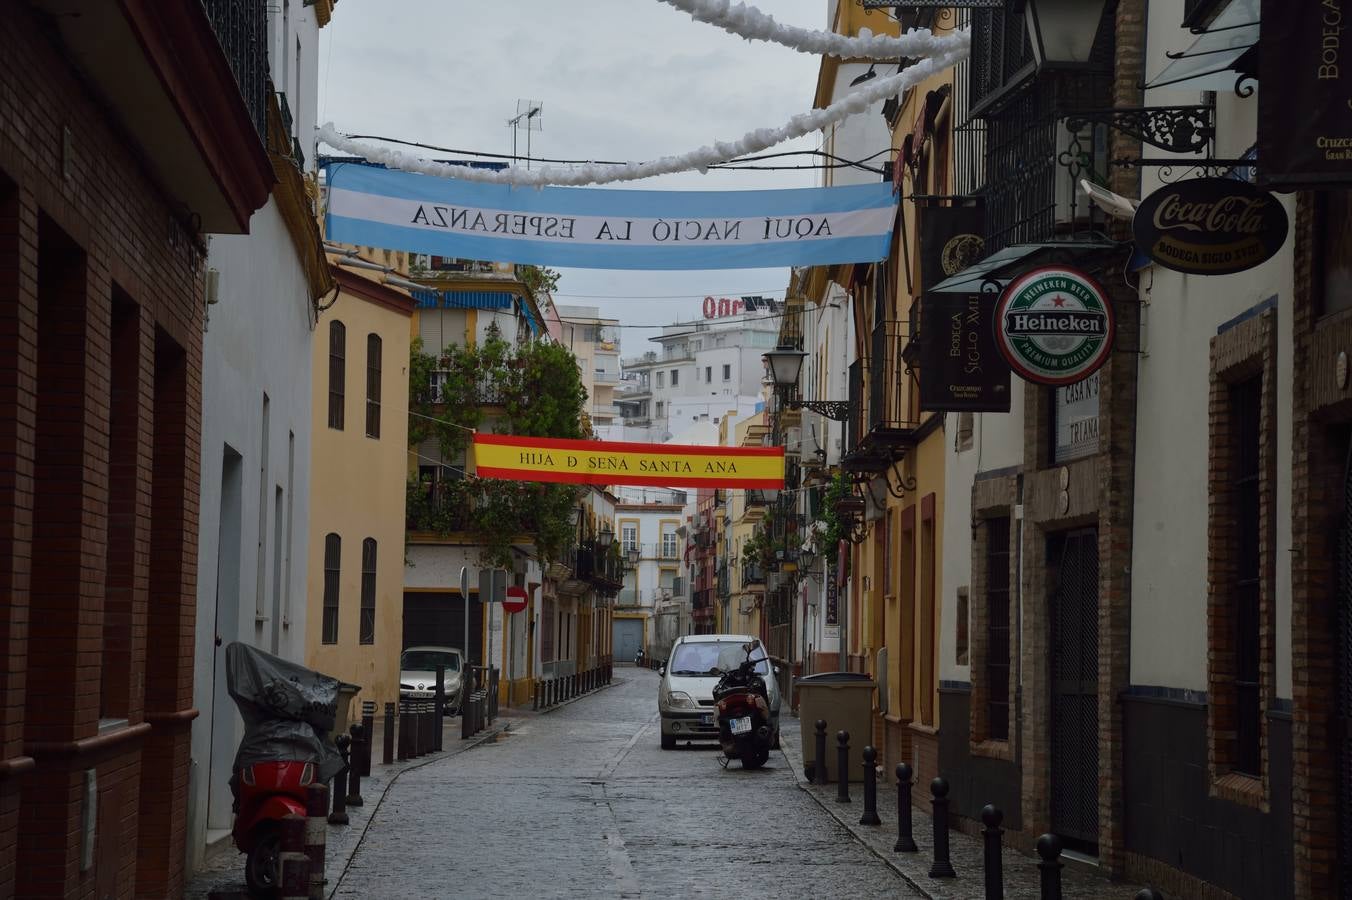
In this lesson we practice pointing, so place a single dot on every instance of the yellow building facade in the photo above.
(358, 471)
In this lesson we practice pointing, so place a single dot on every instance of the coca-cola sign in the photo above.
(1210, 226)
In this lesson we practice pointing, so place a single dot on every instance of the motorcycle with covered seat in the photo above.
(745, 729)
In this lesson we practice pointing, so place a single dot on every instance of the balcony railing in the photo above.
(487, 393)
(241, 26)
(723, 583)
(752, 575)
(702, 599)
(606, 377)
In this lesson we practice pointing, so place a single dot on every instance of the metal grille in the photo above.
(887, 383)
(1344, 712)
(1074, 684)
(241, 26)
(1002, 54)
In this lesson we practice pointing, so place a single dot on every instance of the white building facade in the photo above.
(256, 396)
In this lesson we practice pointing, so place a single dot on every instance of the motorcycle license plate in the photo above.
(706, 719)
(740, 726)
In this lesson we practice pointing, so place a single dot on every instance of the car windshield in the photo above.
(714, 658)
(428, 660)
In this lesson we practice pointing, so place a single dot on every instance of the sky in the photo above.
(618, 79)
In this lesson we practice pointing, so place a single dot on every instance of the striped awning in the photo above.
(430, 299)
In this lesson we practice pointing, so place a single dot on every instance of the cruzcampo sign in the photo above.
(618, 462)
(1054, 325)
(1210, 226)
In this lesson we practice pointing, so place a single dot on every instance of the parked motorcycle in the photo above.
(745, 729)
(638, 657)
(289, 712)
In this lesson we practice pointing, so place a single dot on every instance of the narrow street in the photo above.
(583, 803)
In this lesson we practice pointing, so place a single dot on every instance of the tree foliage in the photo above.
(532, 389)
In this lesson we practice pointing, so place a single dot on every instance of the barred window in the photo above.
(373, 385)
(368, 591)
(333, 551)
(997, 628)
(1245, 407)
(337, 373)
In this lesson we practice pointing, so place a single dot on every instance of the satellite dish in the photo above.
(1115, 205)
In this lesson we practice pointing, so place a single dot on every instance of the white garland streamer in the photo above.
(750, 23)
(692, 161)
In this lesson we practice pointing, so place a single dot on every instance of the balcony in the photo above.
(884, 430)
(639, 362)
(188, 83)
(752, 576)
(606, 377)
(487, 392)
(722, 583)
(702, 599)
(601, 569)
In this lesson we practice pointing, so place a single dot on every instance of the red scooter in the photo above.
(288, 712)
(268, 792)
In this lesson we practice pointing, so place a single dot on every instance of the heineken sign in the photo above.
(1054, 326)
(1210, 226)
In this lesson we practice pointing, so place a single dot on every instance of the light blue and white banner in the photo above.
(608, 229)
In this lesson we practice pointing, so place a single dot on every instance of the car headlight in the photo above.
(681, 700)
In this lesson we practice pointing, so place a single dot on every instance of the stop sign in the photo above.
(516, 599)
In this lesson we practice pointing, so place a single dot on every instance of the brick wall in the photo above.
(97, 283)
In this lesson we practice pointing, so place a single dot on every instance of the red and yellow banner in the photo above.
(617, 462)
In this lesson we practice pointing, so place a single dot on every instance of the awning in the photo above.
(1209, 63)
(534, 323)
(970, 279)
(431, 299)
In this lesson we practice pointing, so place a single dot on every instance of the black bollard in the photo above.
(339, 789)
(387, 753)
(535, 696)
(842, 767)
(368, 727)
(870, 816)
(1049, 848)
(1149, 893)
(905, 840)
(293, 864)
(942, 866)
(819, 763)
(439, 707)
(316, 834)
(994, 863)
(354, 765)
(405, 727)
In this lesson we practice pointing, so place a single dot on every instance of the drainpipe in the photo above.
(1018, 623)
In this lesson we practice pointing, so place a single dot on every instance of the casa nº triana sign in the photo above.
(1210, 226)
(1054, 325)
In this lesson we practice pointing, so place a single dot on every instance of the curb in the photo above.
(796, 766)
(462, 747)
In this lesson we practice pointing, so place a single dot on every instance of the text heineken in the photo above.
(1054, 326)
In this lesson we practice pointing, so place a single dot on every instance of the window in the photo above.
(997, 628)
(708, 373)
(373, 385)
(661, 409)
(675, 377)
(337, 372)
(925, 638)
(333, 550)
(727, 372)
(629, 537)
(661, 380)
(668, 541)
(961, 641)
(368, 591)
(1246, 498)
(1333, 224)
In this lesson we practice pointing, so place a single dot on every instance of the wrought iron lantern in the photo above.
(634, 555)
(785, 363)
(1062, 32)
(606, 537)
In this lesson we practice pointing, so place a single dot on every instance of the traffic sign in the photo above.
(515, 601)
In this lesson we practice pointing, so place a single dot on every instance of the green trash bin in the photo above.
(845, 701)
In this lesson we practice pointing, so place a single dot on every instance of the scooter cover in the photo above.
(288, 710)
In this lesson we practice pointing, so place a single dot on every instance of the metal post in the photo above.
(1149, 893)
(368, 727)
(387, 753)
(339, 814)
(942, 867)
(440, 710)
(994, 863)
(905, 840)
(359, 745)
(535, 696)
(404, 706)
(294, 865)
(842, 767)
(425, 726)
(1049, 848)
(316, 831)
(819, 762)
(870, 816)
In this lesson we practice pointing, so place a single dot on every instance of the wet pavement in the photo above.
(583, 802)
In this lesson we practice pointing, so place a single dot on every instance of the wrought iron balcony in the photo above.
(241, 26)
(752, 575)
(885, 429)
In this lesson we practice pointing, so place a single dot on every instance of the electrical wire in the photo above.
(837, 162)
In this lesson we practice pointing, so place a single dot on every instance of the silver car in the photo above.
(685, 695)
(418, 674)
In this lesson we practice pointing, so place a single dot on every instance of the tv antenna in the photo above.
(529, 115)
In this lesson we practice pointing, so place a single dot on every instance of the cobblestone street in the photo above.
(583, 803)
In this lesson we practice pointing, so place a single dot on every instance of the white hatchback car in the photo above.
(685, 695)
